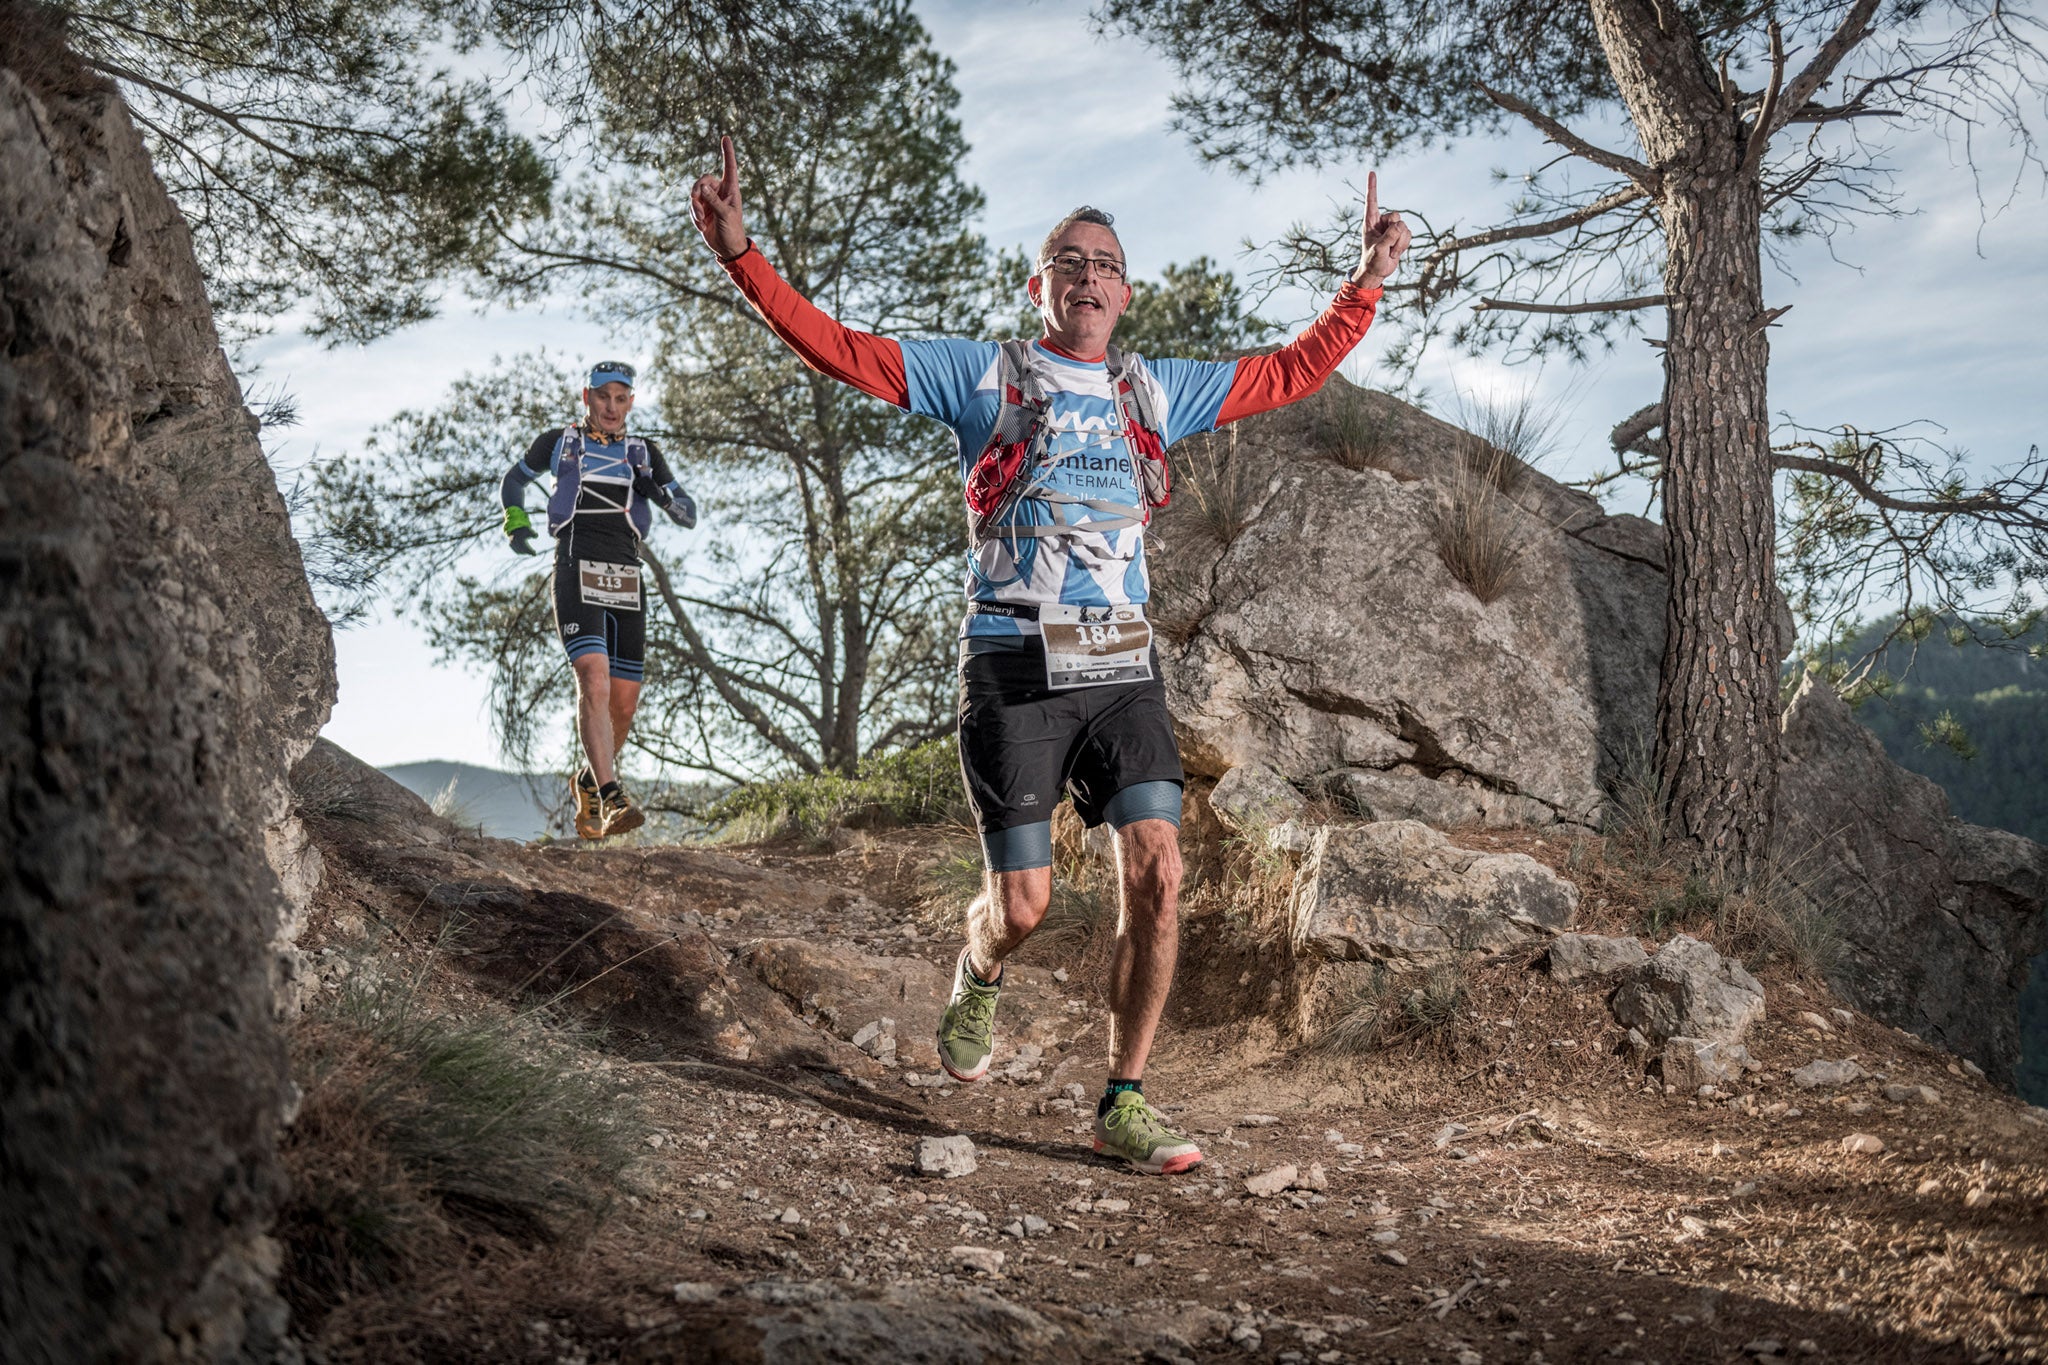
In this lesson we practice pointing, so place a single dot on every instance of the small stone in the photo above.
(1141, 1260)
(1815, 1022)
(1842, 1016)
(1059, 974)
(1973, 1068)
(1819, 1072)
(1392, 1257)
(694, 1291)
(1313, 1178)
(1034, 1226)
(1386, 1236)
(1912, 1094)
(1257, 1120)
(985, 1260)
(1745, 1189)
(1927, 1187)
(1270, 1183)
(1763, 1346)
(1864, 1144)
(789, 1217)
(950, 1157)
(1014, 1229)
(1978, 1198)
(1112, 1206)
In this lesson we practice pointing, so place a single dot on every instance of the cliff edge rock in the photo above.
(166, 664)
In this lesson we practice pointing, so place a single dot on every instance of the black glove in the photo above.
(522, 541)
(649, 490)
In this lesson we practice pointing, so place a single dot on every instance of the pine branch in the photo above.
(1636, 171)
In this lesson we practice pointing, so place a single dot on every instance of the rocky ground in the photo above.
(1510, 1187)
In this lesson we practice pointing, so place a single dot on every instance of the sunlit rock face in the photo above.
(164, 664)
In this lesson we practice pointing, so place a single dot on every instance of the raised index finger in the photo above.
(1372, 200)
(732, 169)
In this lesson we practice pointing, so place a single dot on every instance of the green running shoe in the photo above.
(967, 1030)
(1133, 1130)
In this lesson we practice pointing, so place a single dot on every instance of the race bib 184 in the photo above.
(609, 585)
(1092, 646)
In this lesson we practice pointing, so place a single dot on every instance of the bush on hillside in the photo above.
(915, 786)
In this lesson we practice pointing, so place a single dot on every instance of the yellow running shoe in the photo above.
(589, 819)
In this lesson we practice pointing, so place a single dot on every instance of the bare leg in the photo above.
(625, 697)
(594, 715)
(1147, 941)
(1010, 906)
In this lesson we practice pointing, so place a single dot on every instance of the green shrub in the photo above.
(915, 786)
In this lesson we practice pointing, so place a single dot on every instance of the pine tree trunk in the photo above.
(1717, 696)
(1717, 693)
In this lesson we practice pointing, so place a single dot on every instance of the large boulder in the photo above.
(1938, 918)
(1403, 894)
(165, 664)
(1328, 636)
(1687, 990)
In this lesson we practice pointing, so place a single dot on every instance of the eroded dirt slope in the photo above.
(1508, 1190)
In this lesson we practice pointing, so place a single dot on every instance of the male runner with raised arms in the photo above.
(604, 481)
(1061, 453)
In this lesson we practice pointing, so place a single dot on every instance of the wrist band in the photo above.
(728, 260)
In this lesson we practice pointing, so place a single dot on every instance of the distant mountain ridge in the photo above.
(505, 805)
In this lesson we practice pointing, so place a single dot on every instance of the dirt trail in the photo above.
(1519, 1195)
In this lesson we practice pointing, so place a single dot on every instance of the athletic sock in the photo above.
(1112, 1090)
(975, 977)
(608, 790)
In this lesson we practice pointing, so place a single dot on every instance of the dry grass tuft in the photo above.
(425, 1136)
(1482, 535)
(1222, 492)
(1375, 1010)
(1356, 436)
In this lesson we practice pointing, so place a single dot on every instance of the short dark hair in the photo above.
(1084, 214)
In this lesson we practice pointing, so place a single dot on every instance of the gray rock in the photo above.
(1581, 957)
(1269, 1183)
(1404, 894)
(1939, 919)
(1912, 1094)
(1399, 795)
(162, 665)
(1690, 1063)
(1686, 989)
(1253, 798)
(985, 1260)
(1818, 1073)
(1333, 637)
(950, 1157)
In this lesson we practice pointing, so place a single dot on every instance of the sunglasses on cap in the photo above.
(610, 372)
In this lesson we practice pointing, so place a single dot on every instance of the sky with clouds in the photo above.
(1932, 316)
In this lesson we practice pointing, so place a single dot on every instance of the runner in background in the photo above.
(1062, 460)
(605, 482)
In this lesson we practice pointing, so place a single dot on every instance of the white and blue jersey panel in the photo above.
(959, 383)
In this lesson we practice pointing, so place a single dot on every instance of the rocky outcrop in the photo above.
(1939, 918)
(165, 663)
(1332, 645)
(1403, 894)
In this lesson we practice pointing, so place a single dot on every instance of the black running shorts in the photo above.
(617, 632)
(1022, 743)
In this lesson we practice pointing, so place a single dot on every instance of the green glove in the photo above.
(516, 520)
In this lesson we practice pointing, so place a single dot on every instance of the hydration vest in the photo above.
(1012, 467)
(608, 479)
